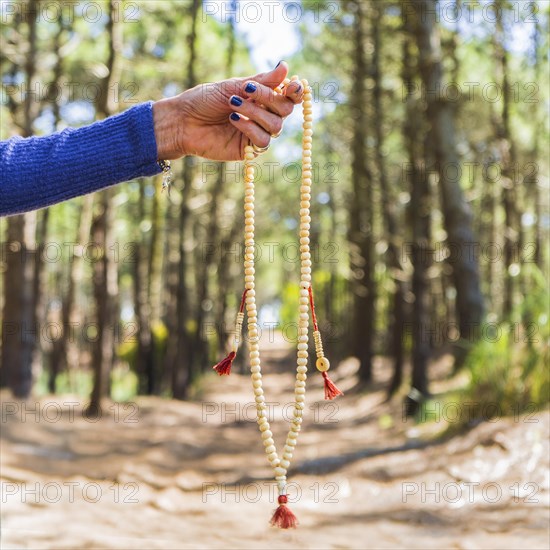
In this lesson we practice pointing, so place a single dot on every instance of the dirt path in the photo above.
(164, 474)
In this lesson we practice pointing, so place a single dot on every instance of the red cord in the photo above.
(310, 291)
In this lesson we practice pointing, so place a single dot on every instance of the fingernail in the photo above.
(235, 117)
(278, 64)
(298, 89)
(250, 88)
(237, 101)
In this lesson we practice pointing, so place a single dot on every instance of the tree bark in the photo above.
(20, 333)
(361, 219)
(142, 303)
(105, 268)
(419, 214)
(179, 353)
(396, 323)
(443, 158)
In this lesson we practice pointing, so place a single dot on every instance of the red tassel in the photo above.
(283, 517)
(331, 391)
(224, 366)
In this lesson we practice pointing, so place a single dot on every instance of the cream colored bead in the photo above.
(280, 471)
(267, 434)
(270, 449)
(297, 425)
(285, 463)
(272, 457)
(322, 364)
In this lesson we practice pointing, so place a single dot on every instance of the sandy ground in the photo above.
(164, 474)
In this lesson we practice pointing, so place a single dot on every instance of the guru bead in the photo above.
(322, 364)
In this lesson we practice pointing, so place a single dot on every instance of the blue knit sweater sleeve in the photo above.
(40, 171)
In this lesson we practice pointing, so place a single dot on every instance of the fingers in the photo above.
(271, 100)
(257, 135)
(269, 121)
(294, 91)
(273, 78)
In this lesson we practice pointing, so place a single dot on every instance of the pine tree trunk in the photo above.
(361, 219)
(179, 358)
(396, 323)
(20, 333)
(105, 269)
(444, 159)
(507, 158)
(142, 305)
(419, 214)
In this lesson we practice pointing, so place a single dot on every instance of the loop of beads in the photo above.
(282, 517)
(281, 465)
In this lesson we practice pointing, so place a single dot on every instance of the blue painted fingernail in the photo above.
(235, 117)
(237, 101)
(278, 64)
(298, 89)
(250, 88)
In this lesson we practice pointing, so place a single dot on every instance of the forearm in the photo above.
(41, 171)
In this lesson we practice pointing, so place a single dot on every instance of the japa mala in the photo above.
(283, 516)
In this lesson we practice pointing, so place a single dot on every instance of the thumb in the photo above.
(274, 77)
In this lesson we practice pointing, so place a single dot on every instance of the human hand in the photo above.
(217, 120)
